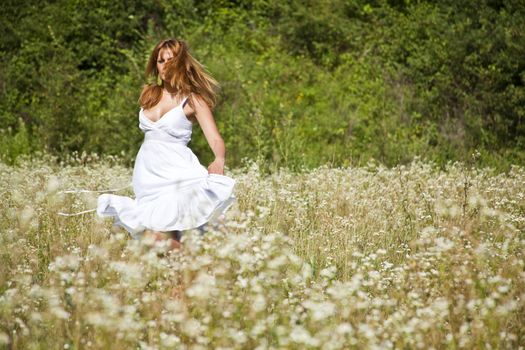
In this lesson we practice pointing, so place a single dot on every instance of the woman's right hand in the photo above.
(216, 167)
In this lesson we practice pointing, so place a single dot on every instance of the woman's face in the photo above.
(164, 56)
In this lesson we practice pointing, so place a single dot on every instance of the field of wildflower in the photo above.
(410, 257)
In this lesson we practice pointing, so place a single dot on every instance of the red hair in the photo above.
(183, 72)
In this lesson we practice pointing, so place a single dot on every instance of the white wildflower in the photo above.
(191, 327)
(344, 328)
(328, 272)
(53, 183)
(301, 336)
(258, 303)
(59, 312)
(443, 244)
(277, 262)
(26, 215)
(131, 273)
(203, 286)
(169, 340)
(306, 271)
(320, 310)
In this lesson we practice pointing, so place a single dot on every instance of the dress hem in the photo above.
(106, 208)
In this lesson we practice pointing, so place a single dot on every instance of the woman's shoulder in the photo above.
(199, 101)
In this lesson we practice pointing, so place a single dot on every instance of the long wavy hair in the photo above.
(183, 72)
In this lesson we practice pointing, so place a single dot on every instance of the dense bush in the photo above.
(302, 83)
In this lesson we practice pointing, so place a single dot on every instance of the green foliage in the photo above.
(302, 83)
(14, 143)
(464, 62)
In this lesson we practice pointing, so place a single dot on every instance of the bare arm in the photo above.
(209, 128)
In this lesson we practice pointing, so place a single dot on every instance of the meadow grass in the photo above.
(410, 257)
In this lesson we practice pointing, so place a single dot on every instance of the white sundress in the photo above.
(173, 190)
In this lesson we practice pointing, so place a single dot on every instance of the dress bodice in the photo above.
(173, 126)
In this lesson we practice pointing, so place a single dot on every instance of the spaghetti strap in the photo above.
(184, 100)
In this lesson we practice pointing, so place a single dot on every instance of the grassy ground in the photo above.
(409, 257)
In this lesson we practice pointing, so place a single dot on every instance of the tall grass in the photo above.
(336, 258)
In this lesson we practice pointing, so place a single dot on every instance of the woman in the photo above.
(173, 191)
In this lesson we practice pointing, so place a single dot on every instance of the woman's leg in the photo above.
(175, 234)
(159, 235)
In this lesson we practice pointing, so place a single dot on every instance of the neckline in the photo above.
(164, 115)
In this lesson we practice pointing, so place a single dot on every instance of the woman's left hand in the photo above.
(216, 167)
